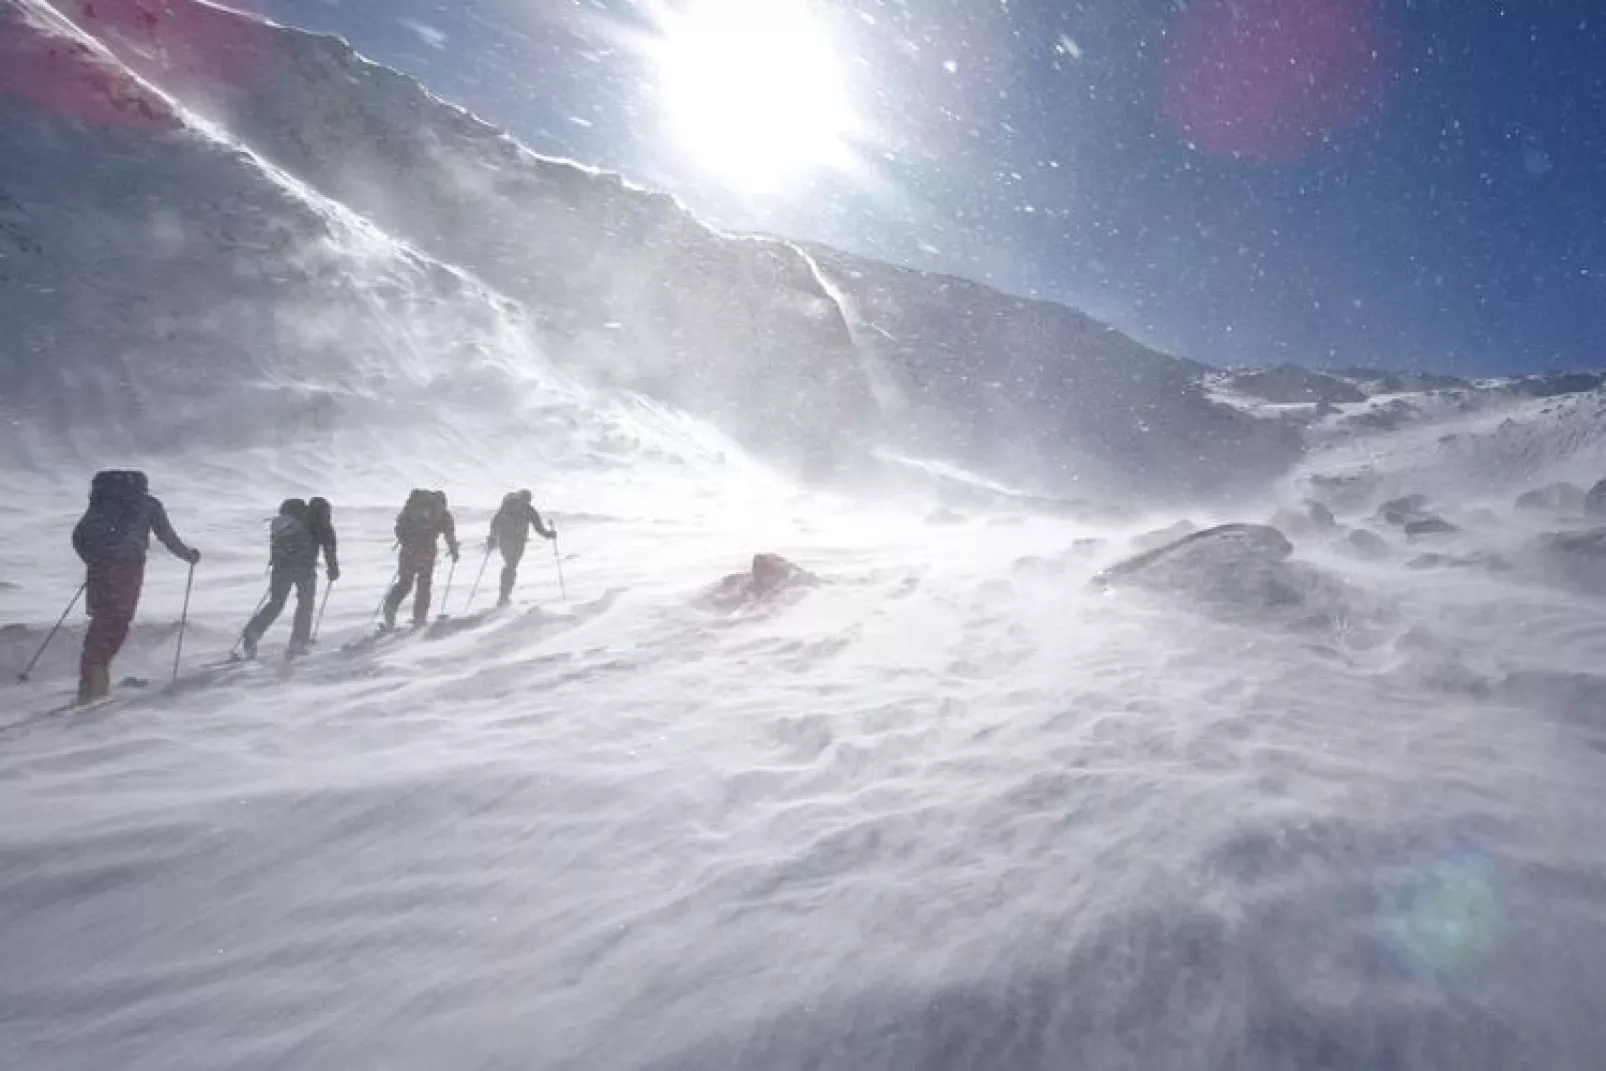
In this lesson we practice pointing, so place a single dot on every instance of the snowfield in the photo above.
(956, 806)
(993, 793)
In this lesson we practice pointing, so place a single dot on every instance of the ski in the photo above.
(71, 706)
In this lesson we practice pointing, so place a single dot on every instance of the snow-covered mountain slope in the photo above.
(1481, 449)
(165, 291)
(793, 358)
(1483, 442)
(626, 284)
(1045, 394)
(1288, 383)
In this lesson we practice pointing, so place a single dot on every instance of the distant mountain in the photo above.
(1385, 381)
(1045, 391)
(1288, 383)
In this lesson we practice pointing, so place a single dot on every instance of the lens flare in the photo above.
(1273, 79)
(1447, 917)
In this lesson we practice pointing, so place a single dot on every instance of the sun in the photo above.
(753, 90)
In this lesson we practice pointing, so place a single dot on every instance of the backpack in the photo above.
(116, 523)
(115, 490)
(417, 521)
(291, 542)
(509, 523)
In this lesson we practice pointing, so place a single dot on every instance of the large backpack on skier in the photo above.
(116, 527)
(418, 522)
(511, 524)
(290, 539)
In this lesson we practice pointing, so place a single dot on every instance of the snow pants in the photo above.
(414, 567)
(512, 554)
(304, 580)
(111, 596)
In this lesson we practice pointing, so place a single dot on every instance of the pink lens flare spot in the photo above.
(68, 79)
(1273, 79)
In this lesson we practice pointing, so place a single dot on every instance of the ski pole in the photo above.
(564, 588)
(260, 604)
(446, 597)
(322, 606)
(475, 590)
(183, 622)
(385, 595)
(22, 678)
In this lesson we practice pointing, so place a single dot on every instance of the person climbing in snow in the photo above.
(510, 531)
(420, 525)
(113, 539)
(293, 559)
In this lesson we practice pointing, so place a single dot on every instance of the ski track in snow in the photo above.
(952, 808)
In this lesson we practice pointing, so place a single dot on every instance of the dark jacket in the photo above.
(511, 525)
(122, 515)
(422, 522)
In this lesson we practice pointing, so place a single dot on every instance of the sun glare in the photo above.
(753, 89)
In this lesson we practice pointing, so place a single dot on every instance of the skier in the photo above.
(510, 531)
(321, 523)
(112, 539)
(293, 557)
(419, 526)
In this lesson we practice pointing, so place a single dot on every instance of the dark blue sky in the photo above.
(1409, 183)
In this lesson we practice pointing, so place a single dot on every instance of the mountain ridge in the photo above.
(800, 352)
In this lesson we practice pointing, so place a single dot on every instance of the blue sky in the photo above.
(1408, 183)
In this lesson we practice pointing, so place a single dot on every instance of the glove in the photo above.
(454, 554)
(334, 573)
(194, 556)
(490, 544)
(551, 533)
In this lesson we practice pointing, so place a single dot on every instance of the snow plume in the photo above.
(167, 289)
(810, 357)
(629, 289)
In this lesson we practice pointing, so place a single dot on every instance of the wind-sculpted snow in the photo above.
(948, 807)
